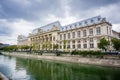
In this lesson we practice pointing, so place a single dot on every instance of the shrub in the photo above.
(87, 53)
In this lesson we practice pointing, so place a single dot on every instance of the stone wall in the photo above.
(68, 58)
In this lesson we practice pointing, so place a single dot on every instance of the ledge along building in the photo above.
(81, 35)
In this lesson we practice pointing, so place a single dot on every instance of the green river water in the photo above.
(31, 69)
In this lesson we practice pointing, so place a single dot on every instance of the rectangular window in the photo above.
(91, 45)
(73, 46)
(79, 45)
(78, 41)
(64, 36)
(98, 30)
(73, 34)
(78, 34)
(68, 46)
(84, 33)
(73, 41)
(84, 45)
(61, 37)
(60, 47)
(91, 32)
(68, 35)
(107, 29)
(110, 31)
(91, 39)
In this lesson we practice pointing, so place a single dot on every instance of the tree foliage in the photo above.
(116, 43)
(10, 48)
(64, 44)
(103, 44)
(55, 46)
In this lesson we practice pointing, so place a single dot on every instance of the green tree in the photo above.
(43, 46)
(48, 45)
(10, 48)
(26, 47)
(55, 46)
(116, 43)
(35, 46)
(64, 44)
(103, 44)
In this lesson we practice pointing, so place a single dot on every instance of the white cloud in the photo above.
(24, 27)
(19, 27)
(116, 27)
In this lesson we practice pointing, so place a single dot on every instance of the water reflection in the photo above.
(44, 70)
(30, 69)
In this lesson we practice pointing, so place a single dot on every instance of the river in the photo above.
(31, 69)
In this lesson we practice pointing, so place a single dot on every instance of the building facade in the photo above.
(116, 34)
(81, 35)
(22, 40)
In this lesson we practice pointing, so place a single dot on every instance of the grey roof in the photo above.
(90, 21)
(82, 23)
(48, 27)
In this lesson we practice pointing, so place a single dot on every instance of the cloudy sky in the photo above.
(22, 16)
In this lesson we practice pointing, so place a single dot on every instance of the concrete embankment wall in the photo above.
(74, 59)
(3, 77)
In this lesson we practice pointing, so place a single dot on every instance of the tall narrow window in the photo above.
(91, 45)
(73, 46)
(84, 33)
(68, 35)
(84, 45)
(78, 34)
(107, 30)
(73, 34)
(61, 37)
(68, 46)
(91, 32)
(64, 36)
(91, 39)
(98, 30)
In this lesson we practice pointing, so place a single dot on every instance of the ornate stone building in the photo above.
(116, 34)
(82, 35)
(22, 40)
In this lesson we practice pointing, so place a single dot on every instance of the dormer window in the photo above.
(91, 20)
(79, 24)
(62, 28)
(66, 28)
(85, 22)
(98, 19)
(75, 25)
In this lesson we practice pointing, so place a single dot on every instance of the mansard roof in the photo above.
(48, 27)
(83, 23)
(90, 21)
